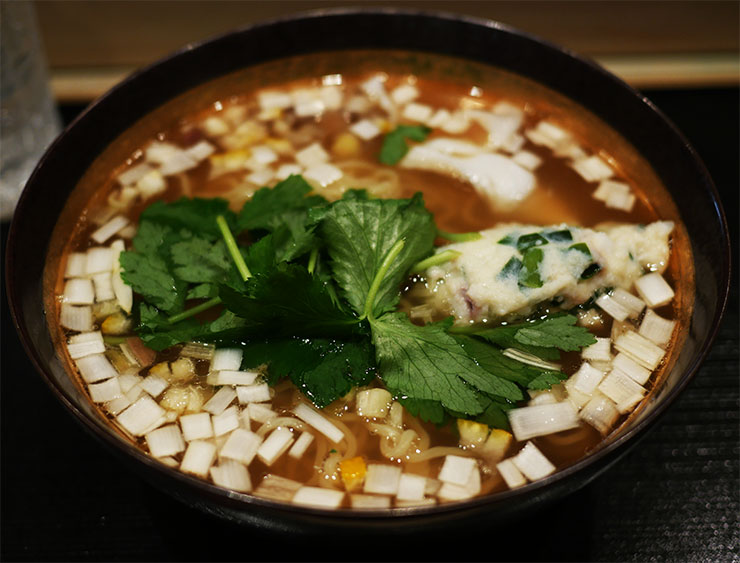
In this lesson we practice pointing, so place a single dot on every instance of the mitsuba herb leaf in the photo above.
(395, 146)
(429, 411)
(158, 333)
(267, 208)
(546, 380)
(559, 332)
(359, 234)
(288, 301)
(324, 370)
(149, 270)
(424, 362)
(197, 215)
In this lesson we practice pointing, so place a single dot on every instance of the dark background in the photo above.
(675, 497)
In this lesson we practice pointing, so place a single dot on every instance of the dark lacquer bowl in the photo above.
(319, 43)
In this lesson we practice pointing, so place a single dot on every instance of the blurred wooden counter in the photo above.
(92, 45)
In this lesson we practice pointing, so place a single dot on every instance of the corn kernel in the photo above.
(353, 472)
(346, 145)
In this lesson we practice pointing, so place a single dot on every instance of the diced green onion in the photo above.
(526, 242)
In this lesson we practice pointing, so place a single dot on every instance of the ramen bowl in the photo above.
(331, 43)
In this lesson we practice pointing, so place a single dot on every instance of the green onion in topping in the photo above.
(529, 276)
(526, 242)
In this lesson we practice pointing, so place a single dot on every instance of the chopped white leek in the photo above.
(234, 377)
(273, 99)
(198, 458)
(404, 94)
(76, 266)
(317, 496)
(200, 150)
(540, 420)
(632, 303)
(323, 174)
(285, 170)
(79, 291)
(301, 445)
(654, 289)
(511, 474)
(123, 292)
(600, 351)
(382, 479)
(115, 224)
(260, 412)
(231, 475)
(623, 390)
(365, 129)
(226, 359)
(527, 159)
(374, 403)
(139, 417)
(612, 307)
(587, 378)
(196, 426)
(105, 391)
(656, 328)
(241, 446)
(640, 349)
(313, 418)
(417, 112)
(226, 421)
(453, 491)
(532, 463)
(79, 319)
(99, 259)
(277, 488)
(154, 385)
(198, 351)
(276, 444)
(600, 412)
(457, 469)
(592, 169)
(631, 368)
(220, 400)
(165, 441)
(133, 174)
(312, 155)
(257, 393)
(151, 184)
(85, 344)
(103, 283)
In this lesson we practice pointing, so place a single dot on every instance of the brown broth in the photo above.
(562, 196)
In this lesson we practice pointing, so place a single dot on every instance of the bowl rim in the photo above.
(247, 501)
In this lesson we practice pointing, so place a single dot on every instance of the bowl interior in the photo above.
(453, 49)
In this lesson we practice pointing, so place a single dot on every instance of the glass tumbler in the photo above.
(29, 119)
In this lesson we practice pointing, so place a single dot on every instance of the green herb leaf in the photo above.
(359, 234)
(197, 215)
(324, 370)
(529, 275)
(286, 302)
(427, 363)
(394, 144)
(546, 380)
(558, 332)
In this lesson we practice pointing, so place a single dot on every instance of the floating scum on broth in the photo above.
(369, 289)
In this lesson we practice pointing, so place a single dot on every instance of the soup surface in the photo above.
(260, 297)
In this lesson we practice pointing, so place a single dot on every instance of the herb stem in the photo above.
(312, 259)
(435, 260)
(233, 248)
(459, 237)
(114, 340)
(194, 310)
(379, 276)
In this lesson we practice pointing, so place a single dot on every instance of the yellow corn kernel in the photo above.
(280, 146)
(353, 472)
(346, 145)
(497, 445)
(162, 369)
(232, 160)
(117, 323)
(471, 433)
